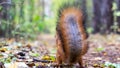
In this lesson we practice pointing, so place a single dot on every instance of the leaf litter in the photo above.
(104, 52)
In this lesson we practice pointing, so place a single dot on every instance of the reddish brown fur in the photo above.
(61, 54)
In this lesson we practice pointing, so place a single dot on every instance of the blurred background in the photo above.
(28, 28)
(30, 18)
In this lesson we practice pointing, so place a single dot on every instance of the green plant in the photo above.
(99, 49)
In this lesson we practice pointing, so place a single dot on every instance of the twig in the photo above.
(43, 61)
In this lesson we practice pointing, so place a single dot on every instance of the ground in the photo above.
(104, 52)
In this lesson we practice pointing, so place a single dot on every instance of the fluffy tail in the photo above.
(71, 30)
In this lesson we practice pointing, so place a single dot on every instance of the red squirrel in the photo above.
(71, 35)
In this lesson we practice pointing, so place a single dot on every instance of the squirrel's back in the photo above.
(71, 32)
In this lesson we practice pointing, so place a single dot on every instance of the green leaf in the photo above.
(34, 54)
(112, 65)
(99, 49)
(36, 18)
(89, 30)
(0, 7)
(117, 13)
(52, 58)
(8, 60)
(2, 60)
(114, 6)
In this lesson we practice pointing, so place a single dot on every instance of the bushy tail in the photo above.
(71, 30)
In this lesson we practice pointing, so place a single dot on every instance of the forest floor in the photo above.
(104, 52)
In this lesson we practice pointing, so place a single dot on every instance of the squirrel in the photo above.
(71, 35)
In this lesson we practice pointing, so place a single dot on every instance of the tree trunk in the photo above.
(106, 16)
(5, 4)
(43, 10)
(97, 15)
(4, 15)
(103, 16)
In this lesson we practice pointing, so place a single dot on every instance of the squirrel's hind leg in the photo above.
(80, 62)
(60, 54)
